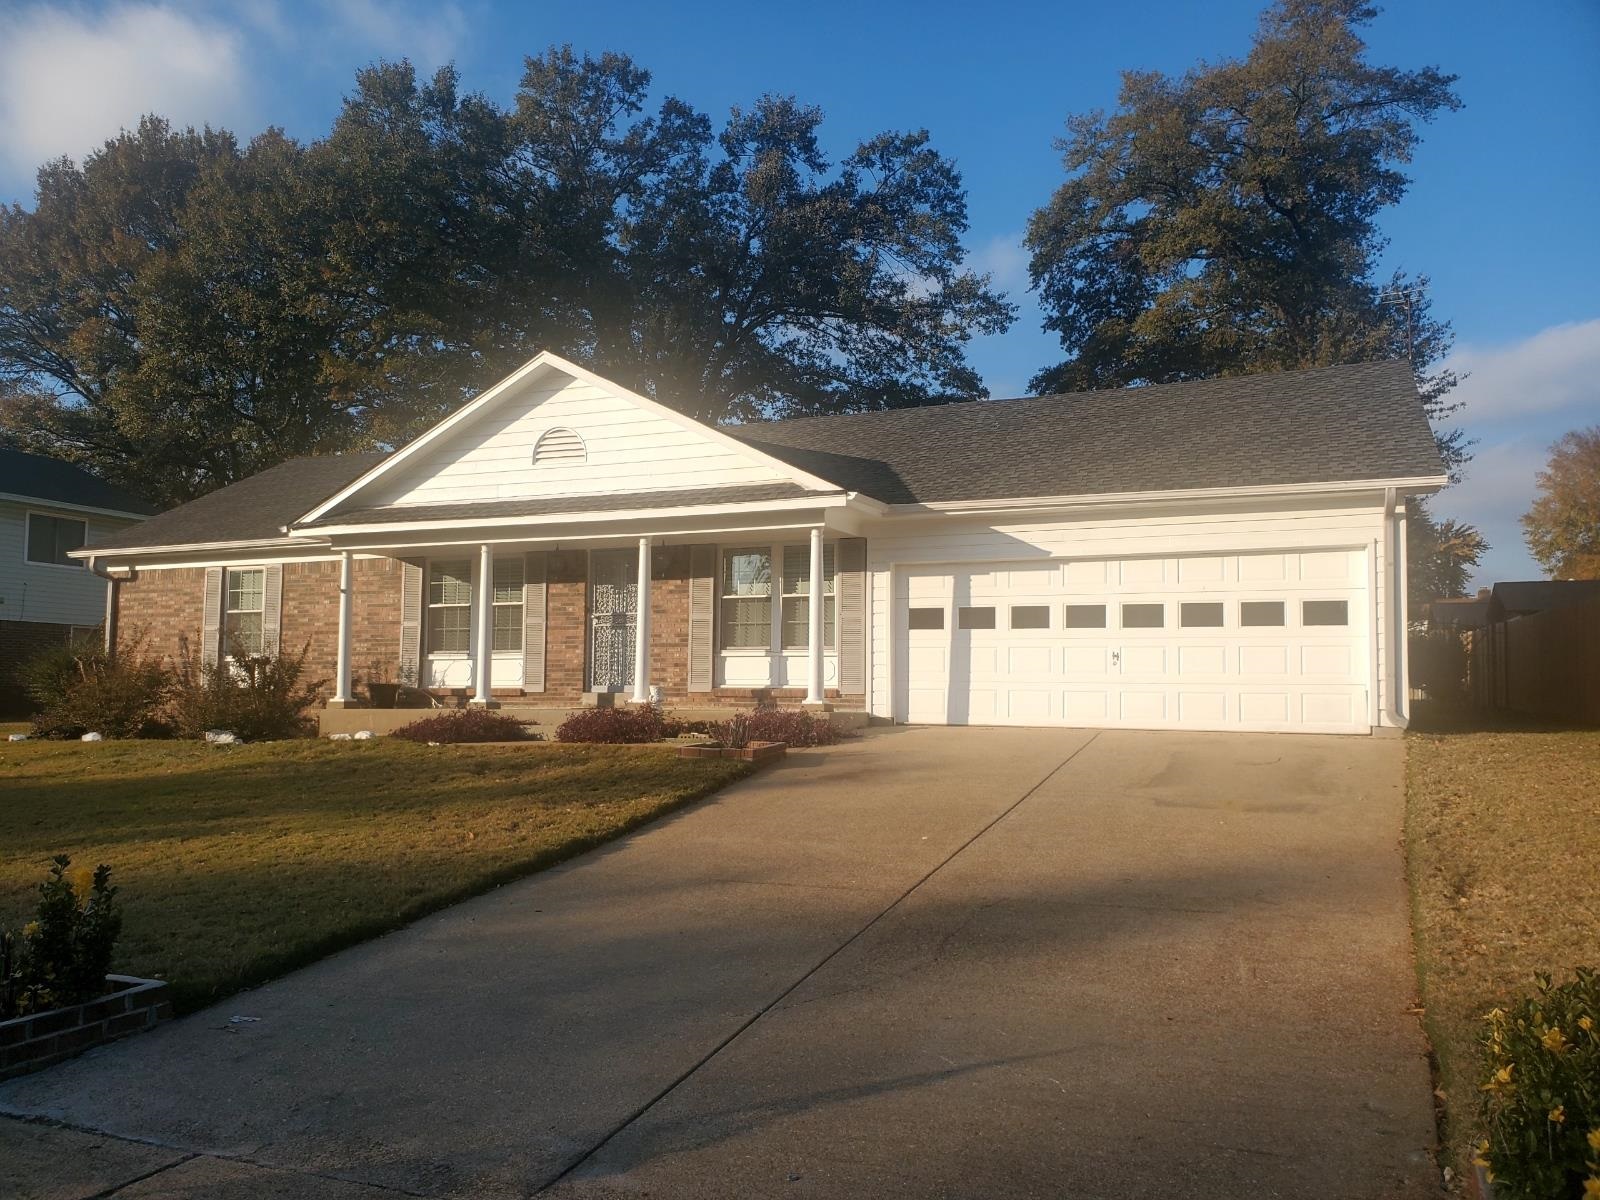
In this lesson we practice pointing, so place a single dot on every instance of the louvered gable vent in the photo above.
(559, 447)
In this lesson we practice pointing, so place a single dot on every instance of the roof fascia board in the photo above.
(122, 552)
(1195, 496)
(554, 361)
(837, 500)
(41, 502)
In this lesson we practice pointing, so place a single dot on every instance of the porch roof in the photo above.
(552, 506)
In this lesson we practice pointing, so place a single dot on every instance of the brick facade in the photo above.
(165, 606)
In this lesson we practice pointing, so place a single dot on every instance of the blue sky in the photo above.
(1501, 213)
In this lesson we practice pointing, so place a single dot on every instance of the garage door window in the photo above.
(1030, 616)
(1144, 616)
(925, 618)
(1206, 615)
(1260, 612)
(1085, 616)
(1325, 612)
(975, 618)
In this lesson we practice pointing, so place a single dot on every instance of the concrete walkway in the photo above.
(953, 963)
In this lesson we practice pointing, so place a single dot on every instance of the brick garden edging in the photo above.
(42, 1038)
(755, 752)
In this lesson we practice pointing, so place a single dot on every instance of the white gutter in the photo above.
(941, 508)
(41, 502)
(183, 547)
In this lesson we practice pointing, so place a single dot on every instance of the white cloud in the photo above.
(70, 79)
(1556, 369)
(430, 35)
(1006, 261)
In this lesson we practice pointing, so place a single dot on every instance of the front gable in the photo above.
(553, 429)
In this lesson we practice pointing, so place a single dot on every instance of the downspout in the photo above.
(110, 622)
(1394, 613)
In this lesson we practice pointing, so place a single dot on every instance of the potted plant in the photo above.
(382, 690)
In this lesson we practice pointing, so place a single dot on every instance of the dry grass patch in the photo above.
(239, 863)
(1503, 848)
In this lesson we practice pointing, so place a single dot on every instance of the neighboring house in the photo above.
(1216, 555)
(48, 509)
(1460, 612)
(1523, 598)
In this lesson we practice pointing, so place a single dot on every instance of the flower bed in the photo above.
(754, 752)
(38, 1039)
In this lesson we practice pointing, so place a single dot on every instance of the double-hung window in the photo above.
(50, 538)
(450, 607)
(747, 598)
(508, 605)
(242, 633)
(797, 597)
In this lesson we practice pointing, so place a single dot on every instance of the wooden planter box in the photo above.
(755, 752)
(39, 1039)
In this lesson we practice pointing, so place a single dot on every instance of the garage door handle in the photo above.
(1116, 658)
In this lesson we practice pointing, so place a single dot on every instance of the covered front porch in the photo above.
(704, 611)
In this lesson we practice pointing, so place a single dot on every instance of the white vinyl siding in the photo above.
(625, 449)
(42, 592)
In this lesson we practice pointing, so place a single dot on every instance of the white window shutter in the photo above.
(271, 608)
(211, 618)
(702, 617)
(411, 623)
(535, 574)
(851, 583)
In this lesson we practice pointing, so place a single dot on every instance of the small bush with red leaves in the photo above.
(790, 726)
(464, 725)
(613, 726)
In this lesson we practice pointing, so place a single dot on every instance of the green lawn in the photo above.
(239, 863)
(1503, 848)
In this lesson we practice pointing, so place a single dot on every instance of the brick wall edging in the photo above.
(40, 1039)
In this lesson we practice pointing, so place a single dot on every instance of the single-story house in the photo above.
(48, 509)
(1460, 612)
(1522, 598)
(1226, 554)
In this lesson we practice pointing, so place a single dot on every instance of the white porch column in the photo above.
(483, 642)
(341, 680)
(641, 628)
(814, 602)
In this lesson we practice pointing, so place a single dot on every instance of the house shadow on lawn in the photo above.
(1442, 718)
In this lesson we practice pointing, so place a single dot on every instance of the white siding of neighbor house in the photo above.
(42, 592)
(1357, 526)
(627, 450)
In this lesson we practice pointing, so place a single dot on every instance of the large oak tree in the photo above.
(181, 311)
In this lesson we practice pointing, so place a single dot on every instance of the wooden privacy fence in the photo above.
(1546, 665)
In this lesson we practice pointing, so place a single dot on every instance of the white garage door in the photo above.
(1267, 641)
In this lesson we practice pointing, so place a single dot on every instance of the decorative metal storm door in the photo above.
(613, 610)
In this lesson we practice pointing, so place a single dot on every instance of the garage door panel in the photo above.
(1260, 640)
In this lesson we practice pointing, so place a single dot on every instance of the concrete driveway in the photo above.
(956, 963)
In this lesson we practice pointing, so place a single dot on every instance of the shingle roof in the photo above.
(1333, 424)
(41, 478)
(1362, 421)
(556, 505)
(1520, 597)
(253, 509)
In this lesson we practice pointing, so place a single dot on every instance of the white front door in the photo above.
(1266, 641)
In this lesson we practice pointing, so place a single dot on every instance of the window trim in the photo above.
(428, 651)
(27, 538)
(228, 610)
(776, 596)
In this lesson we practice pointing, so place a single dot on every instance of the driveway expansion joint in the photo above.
(766, 1008)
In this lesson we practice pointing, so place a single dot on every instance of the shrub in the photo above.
(734, 733)
(85, 690)
(613, 725)
(1541, 1096)
(463, 725)
(65, 952)
(791, 726)
(257, 697)
(46, 676)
